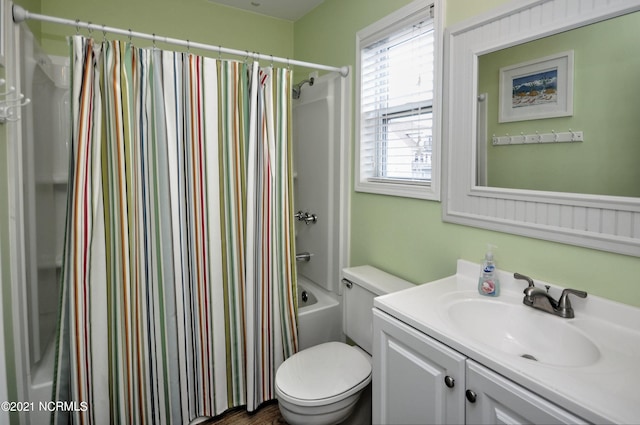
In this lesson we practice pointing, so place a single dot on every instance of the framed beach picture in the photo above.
(541, 88)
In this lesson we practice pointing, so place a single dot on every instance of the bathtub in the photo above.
(319, 315)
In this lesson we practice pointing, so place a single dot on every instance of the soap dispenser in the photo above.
(488, 283)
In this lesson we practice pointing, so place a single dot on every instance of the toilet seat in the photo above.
(323, 374)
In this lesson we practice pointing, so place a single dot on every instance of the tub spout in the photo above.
(303, 256)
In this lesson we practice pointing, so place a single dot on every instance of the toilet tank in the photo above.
(361, 285)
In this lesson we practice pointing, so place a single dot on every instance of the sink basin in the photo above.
(522, 331)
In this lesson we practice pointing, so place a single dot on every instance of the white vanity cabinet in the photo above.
(418, 380)
(498, 400)
(409, 374)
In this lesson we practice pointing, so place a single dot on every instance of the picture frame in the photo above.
(537, 89)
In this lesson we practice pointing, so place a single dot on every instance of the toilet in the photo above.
(323, 384)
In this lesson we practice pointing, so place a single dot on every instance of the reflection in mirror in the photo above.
(606, 109)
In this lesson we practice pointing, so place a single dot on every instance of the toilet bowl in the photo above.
(323, 384)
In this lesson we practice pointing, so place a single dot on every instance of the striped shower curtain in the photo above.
(179, 271)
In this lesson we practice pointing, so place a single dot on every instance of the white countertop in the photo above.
(603, 391)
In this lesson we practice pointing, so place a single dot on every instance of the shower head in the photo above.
(297, 88)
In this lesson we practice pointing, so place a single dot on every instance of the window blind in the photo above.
(396, 99)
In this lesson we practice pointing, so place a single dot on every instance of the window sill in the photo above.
(401, 189)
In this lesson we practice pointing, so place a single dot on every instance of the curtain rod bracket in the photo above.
(19, 14)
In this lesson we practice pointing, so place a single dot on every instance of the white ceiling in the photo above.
(290, 10)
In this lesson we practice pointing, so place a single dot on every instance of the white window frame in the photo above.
(379, 29)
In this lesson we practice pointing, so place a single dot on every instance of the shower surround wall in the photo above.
(37, 175)
(321, 158)
(45, 164)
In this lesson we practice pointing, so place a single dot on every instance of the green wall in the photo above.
(407, 237)
(606, 109)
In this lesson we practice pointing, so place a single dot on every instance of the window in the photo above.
(397, 70)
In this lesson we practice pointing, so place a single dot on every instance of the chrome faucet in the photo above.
(540, 299)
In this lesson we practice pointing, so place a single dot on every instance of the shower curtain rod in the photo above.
(20, 14)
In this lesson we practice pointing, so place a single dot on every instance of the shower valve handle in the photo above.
(307, 217)
(310, 218)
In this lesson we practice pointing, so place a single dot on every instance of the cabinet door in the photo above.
(501, 401)
(409, 371)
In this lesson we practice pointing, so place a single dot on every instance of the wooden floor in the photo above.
(268, 413)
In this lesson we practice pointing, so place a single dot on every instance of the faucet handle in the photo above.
(564, 304)
(564, 298)
(528, 289)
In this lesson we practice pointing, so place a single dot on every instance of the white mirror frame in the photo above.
(606, 223)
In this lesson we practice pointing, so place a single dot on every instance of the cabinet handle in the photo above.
(471, 396)
(449, 381)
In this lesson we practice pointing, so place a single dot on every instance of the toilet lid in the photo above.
(322, 371)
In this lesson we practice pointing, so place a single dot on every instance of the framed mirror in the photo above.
(542, 131)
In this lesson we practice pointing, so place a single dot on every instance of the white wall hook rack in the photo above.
(553, 137)
(9, 108)
(8, 92)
